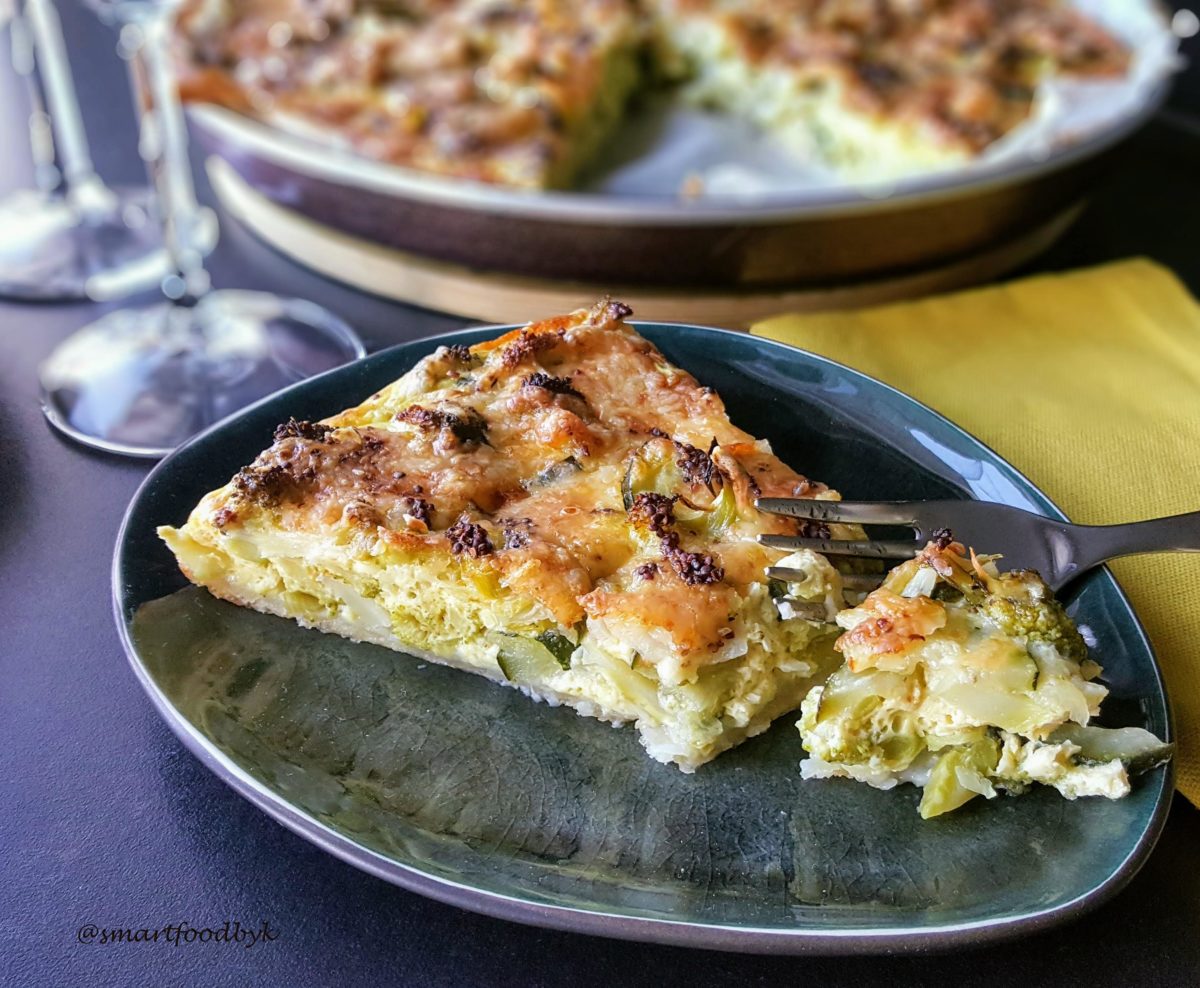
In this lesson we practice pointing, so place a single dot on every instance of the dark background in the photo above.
(106, 819)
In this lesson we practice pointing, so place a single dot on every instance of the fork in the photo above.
(1057, 550)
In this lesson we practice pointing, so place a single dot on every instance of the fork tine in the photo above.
(839, 547)
(865, 582)
(850, 581)
(861, 512)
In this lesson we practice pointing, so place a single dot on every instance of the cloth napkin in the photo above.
(1089, 383)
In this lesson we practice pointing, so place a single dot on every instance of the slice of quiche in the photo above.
(560, 510)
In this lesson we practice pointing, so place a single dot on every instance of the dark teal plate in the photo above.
(467, 792)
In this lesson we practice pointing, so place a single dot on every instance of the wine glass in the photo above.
(71, 237)
(141, 381)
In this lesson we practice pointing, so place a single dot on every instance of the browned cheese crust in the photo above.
(498, 92)
(515, 456)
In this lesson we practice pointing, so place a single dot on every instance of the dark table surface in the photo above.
(107, 820)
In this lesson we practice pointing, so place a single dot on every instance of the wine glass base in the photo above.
(52, 251)
(142, 381)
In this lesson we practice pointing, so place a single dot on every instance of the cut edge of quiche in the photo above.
(966, 682)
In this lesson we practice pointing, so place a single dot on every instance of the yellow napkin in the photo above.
(1089, 383)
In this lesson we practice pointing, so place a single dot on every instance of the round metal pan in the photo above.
(820, 237)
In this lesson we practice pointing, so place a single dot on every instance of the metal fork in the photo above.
(1057, 550)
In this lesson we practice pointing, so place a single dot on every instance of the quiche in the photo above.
(560, 510)
(525, 92)
(565, 512)
(967, 682)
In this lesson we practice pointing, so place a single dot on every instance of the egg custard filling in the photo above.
(967, 681)
(560, 510)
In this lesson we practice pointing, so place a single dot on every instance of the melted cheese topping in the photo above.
(515, 454)
(516, 93)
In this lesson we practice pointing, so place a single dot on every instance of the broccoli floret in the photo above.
(1022, 606)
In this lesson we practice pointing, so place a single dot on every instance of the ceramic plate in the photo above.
(455, 788)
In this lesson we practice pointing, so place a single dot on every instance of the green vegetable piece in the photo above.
(901, 742)
(527, 660)
(656, 467)
(556, 472)
(652, 467)
(945, 790)
(558, 645)
(856, 696)
(1022, 605)
(1138, 749)
(716, 520)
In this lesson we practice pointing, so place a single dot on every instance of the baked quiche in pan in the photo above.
(525, 92)
(565, 512)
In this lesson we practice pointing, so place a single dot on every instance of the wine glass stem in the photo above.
(60, 147)
(145, 42)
